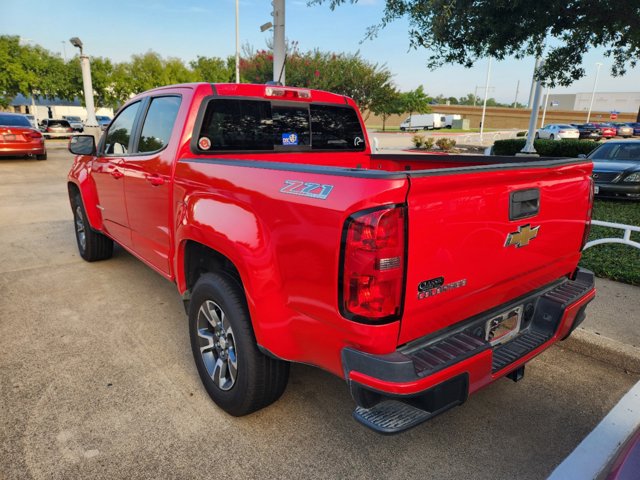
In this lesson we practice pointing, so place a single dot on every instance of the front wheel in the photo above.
(238, 377)
(92, 245)
(552, 137)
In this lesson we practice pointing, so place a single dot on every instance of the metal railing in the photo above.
(625, 240)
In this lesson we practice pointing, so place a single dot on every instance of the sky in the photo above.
(187, 28)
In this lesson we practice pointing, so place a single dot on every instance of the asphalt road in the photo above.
(97, 381)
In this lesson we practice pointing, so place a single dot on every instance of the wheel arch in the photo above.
(89, 201)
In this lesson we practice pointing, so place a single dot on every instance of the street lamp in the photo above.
(484, 103)
(86, 82)
(593, 93)
(237, 41)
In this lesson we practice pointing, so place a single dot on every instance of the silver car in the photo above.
(623, 130)
(558, 131)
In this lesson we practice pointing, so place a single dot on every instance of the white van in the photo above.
(423, 121)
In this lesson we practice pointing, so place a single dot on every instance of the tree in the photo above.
(464, 31)
(213, 69)
(387, 101)
(415, 101)
(346, 74)
(29, 70)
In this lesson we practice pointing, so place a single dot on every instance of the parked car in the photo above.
(608, 130)
(557, 131)
(18, 137)
(636, 128)
(616, 169)
(290, 242)
(103, 121)
(623, 130)
(32, 121)
(75, 122)
(55, 128)
(588, 131)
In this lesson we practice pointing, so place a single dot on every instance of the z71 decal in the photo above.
(306, 189)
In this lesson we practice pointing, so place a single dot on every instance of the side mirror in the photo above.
(82, 145)
(582, 155)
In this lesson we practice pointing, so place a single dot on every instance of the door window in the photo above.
(119, 133)
(158, 124)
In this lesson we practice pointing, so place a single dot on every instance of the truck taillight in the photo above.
(373, 265)
(587, 227)
(289, 93)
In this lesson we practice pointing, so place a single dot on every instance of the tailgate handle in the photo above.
(524, 204)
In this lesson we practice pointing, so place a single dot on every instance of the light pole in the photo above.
(237, 41)
(484, 103)
(86, 82)
(279, 50)
(528, 148)
(544, 110)
(593, 93)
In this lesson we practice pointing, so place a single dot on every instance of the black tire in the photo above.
(551, 137)
(93, 246)
(42, 157)
(258, 380)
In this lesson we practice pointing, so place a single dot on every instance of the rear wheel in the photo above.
(552, 137)
(92, 245)
(537, 136)
(237, 376)
(42, 157)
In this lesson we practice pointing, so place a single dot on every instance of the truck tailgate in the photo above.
(466, 253)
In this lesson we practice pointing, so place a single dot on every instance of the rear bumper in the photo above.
(417, 370)
(22, 149)
(613, 190)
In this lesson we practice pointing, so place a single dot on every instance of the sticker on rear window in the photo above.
(289, 139)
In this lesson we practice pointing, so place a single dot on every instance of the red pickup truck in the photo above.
(417, 279)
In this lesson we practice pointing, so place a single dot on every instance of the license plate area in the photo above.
(503, 327)
(9, 137)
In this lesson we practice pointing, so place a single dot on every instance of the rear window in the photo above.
(261, 125)
(14, 121)
(59, 123)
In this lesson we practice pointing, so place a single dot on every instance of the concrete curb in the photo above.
(604, 349)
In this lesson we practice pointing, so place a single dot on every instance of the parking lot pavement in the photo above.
(97, 381)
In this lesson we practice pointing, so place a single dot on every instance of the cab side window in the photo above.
(158, 124)
(119, 133)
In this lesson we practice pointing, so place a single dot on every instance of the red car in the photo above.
(608, 131)
(419, 279)
(18, 137)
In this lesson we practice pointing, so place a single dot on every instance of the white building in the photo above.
(53, 108)
(621, 102)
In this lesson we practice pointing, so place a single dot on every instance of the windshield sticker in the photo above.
(204, 143)
(357, 141)
(289, 139)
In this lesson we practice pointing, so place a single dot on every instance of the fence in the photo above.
(625, 240)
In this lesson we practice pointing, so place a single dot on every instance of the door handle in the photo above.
(155, 179)
(115, 173)
(524, 203)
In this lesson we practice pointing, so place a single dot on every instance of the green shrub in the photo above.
(422, 143)
(546, 148)
(418, 140)
(428, 143)
(445, 144)
(521, 134)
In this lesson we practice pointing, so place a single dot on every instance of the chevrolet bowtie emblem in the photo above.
(522, 237)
